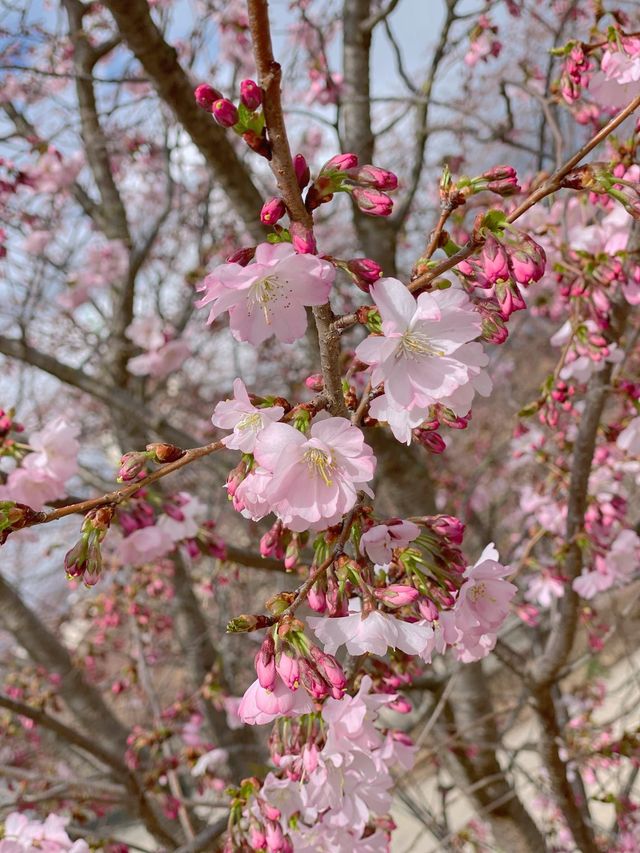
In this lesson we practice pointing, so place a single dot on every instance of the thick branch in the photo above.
(282, 167)
(112, 397)
(161, 64)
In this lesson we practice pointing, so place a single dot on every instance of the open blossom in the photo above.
(374, 633)
(416, 354)
(49, 836)
(379, 541)
(43, 473)
(403, 421)
(245, 419)
(629, 438)
(482, 604)
(259, 706)
(268, 297)
(313, 479)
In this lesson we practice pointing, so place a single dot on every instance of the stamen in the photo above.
(415, 344)
(318, 462)
(252, 421)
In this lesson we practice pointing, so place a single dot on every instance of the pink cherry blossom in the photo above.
(544, 588)
(43, 473)
(49, 836)
(245, 419)
(314, 479)
(144, 545)
(379, 541)
(268, 297)
(483, 601)
(374, 632)
(629, 438)
(416, 354)
(259, 706)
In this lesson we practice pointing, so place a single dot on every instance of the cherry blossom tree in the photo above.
(259, 266)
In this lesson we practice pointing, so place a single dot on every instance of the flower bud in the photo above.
(364, 272)
(528, 261)
(272, 211)
(250, 94)
(509, 298)
(206, 96)
(266, 663)
(248, 622)
(14, 516)
(242, 256)
(396, 595)
(312, 681)
(373, 176)
(301, 168)
(329, 668)
(372, 201)
(288, 669)
(430, 440)
(428, 609)
(315, 382)
(163, 453)
(494, 261)
(303, 240)
(316, 598)
(256, 143)
(224, 112)
(448, 527)
(339, 163)
(132, 464)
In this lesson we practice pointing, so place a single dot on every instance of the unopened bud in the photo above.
(301, 168)
(372, 202)
(163, 453)
(256, 143)
(248, 622)
(206, 96)
(224, 112)
(250, 94)
(272, 211)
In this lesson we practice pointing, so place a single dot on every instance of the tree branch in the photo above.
(160, 61)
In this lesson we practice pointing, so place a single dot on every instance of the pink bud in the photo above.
(365, 272)
(303, 240)
(310, 757)
(312, 681)
(303, 175)
(509, 298)
(242, 256)
(340, 163)
(206, 95)
(315, 382)
(250, 94)
(316, 599)
(274, 838)
(288, 669)
(528, 261)
(396, 594)
(266, 663)
(224, 112)
(329, 668)
(272, 211)
(430, 440)
(449, 527)
(373, 176)
(495, 261)
(257, 838)
(401, 705)
(372, 201)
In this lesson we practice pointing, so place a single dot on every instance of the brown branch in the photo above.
(87, 705)
(119, 495)
(111, 396)
(160, 61)
(66, 733)
(547, 188)
(270, 76)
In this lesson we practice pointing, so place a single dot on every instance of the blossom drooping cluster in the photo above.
(332, 785)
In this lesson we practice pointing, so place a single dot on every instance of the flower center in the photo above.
(264, 291)
(319, 464)
(478, 590)
(252, 421)
(416, 345)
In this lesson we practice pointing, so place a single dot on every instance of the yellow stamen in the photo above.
(319, 463)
